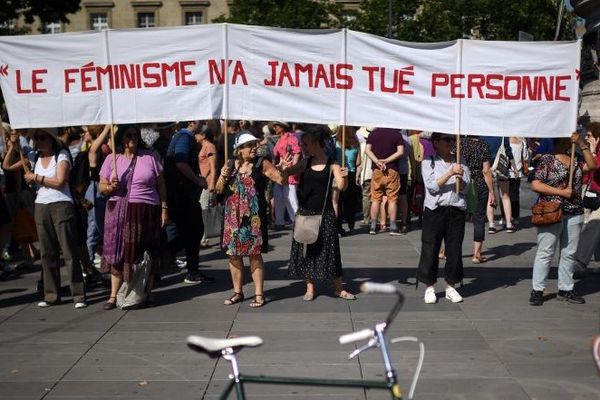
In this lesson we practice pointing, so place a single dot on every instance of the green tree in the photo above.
(442, 20)
(45, 10)
(286, 13)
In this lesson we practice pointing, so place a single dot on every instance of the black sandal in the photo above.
(110, 305)
(235, 298)
(256, 303)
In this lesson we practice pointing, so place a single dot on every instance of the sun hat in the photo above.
(243, 138)
(281, 123)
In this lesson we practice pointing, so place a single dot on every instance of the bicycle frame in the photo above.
(376, 338)
(390, 384)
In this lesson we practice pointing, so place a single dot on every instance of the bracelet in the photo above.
(165, 207)
(585, 148)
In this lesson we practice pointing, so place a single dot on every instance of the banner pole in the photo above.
(343, 146)
(225, 140)
(458, 180)
(572, 166)
(226, 90)
(113, 148)
(111, 117)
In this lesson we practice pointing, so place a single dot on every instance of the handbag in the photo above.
(546, 213)
(23, 226)
(500, 166)
(213, 220)
(306, 227)
(591, 200)
(114, 222)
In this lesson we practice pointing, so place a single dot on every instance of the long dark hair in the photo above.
(119, 137)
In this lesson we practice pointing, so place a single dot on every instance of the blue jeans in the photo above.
(566, 234)
(95, 228)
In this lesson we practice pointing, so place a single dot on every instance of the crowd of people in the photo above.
(128, 206)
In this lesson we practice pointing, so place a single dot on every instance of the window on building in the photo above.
(146, 20)
(98, 21)
(193, 18)
(52, 27)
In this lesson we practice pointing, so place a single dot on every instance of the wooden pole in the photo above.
(114, 149)
(458, 161)
(225, 141)
(572, 166)
(343, 146)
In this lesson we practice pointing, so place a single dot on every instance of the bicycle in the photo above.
(227, 348)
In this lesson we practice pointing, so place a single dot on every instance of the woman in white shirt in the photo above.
(517, 170)
(55, 217)
(444, 217)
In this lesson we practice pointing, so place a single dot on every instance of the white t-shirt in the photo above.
(46, 195)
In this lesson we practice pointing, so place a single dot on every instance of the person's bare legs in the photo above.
(383, 212)
(116, 280)
(257, 270)
(375, 206)
(506, 206)
(393, 212)
(236, 268)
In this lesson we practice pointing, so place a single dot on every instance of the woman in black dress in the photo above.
(322, 260)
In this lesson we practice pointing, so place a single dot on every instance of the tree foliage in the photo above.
(45, 10)
(441, 20)
(285, 13)
(412, 20)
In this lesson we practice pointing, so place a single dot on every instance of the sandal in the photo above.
(258, 303)
(479, 260)
(346, 295)
(110, 305)
(309, 296)
(235, 298)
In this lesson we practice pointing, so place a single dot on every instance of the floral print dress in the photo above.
(245, 215)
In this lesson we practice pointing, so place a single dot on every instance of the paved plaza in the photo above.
(491, 346)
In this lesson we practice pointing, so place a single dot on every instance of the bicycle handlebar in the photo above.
(384, 288)
(357, 336)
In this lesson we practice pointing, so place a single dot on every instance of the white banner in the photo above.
(323, 76)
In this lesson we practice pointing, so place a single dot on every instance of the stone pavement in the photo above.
(492, 346)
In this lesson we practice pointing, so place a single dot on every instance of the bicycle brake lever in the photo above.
(367, 346)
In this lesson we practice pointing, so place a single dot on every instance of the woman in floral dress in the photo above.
(243, 181)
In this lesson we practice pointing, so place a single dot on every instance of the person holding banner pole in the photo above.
(245, 224)
(321, 260)
(443, 217)
(557, 178)
(135, 213)
(55, 216)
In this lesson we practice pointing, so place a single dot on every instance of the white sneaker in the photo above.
(452, 295)
(43, 304)
(80, 304)
(430, 297)
(501, 221)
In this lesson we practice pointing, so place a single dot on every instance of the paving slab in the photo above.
(492, 346)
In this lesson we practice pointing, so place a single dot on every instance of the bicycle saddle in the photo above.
(214, 347)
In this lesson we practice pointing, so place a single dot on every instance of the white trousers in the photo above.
(285, 199)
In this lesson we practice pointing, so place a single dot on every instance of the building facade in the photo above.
(116, 14)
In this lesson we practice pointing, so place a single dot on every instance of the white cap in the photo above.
(243, 138)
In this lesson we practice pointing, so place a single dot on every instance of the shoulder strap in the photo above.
(328, 185)
(432, 162)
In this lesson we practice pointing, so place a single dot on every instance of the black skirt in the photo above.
(323, 261)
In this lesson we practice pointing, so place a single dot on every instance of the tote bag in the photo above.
(501, 165)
